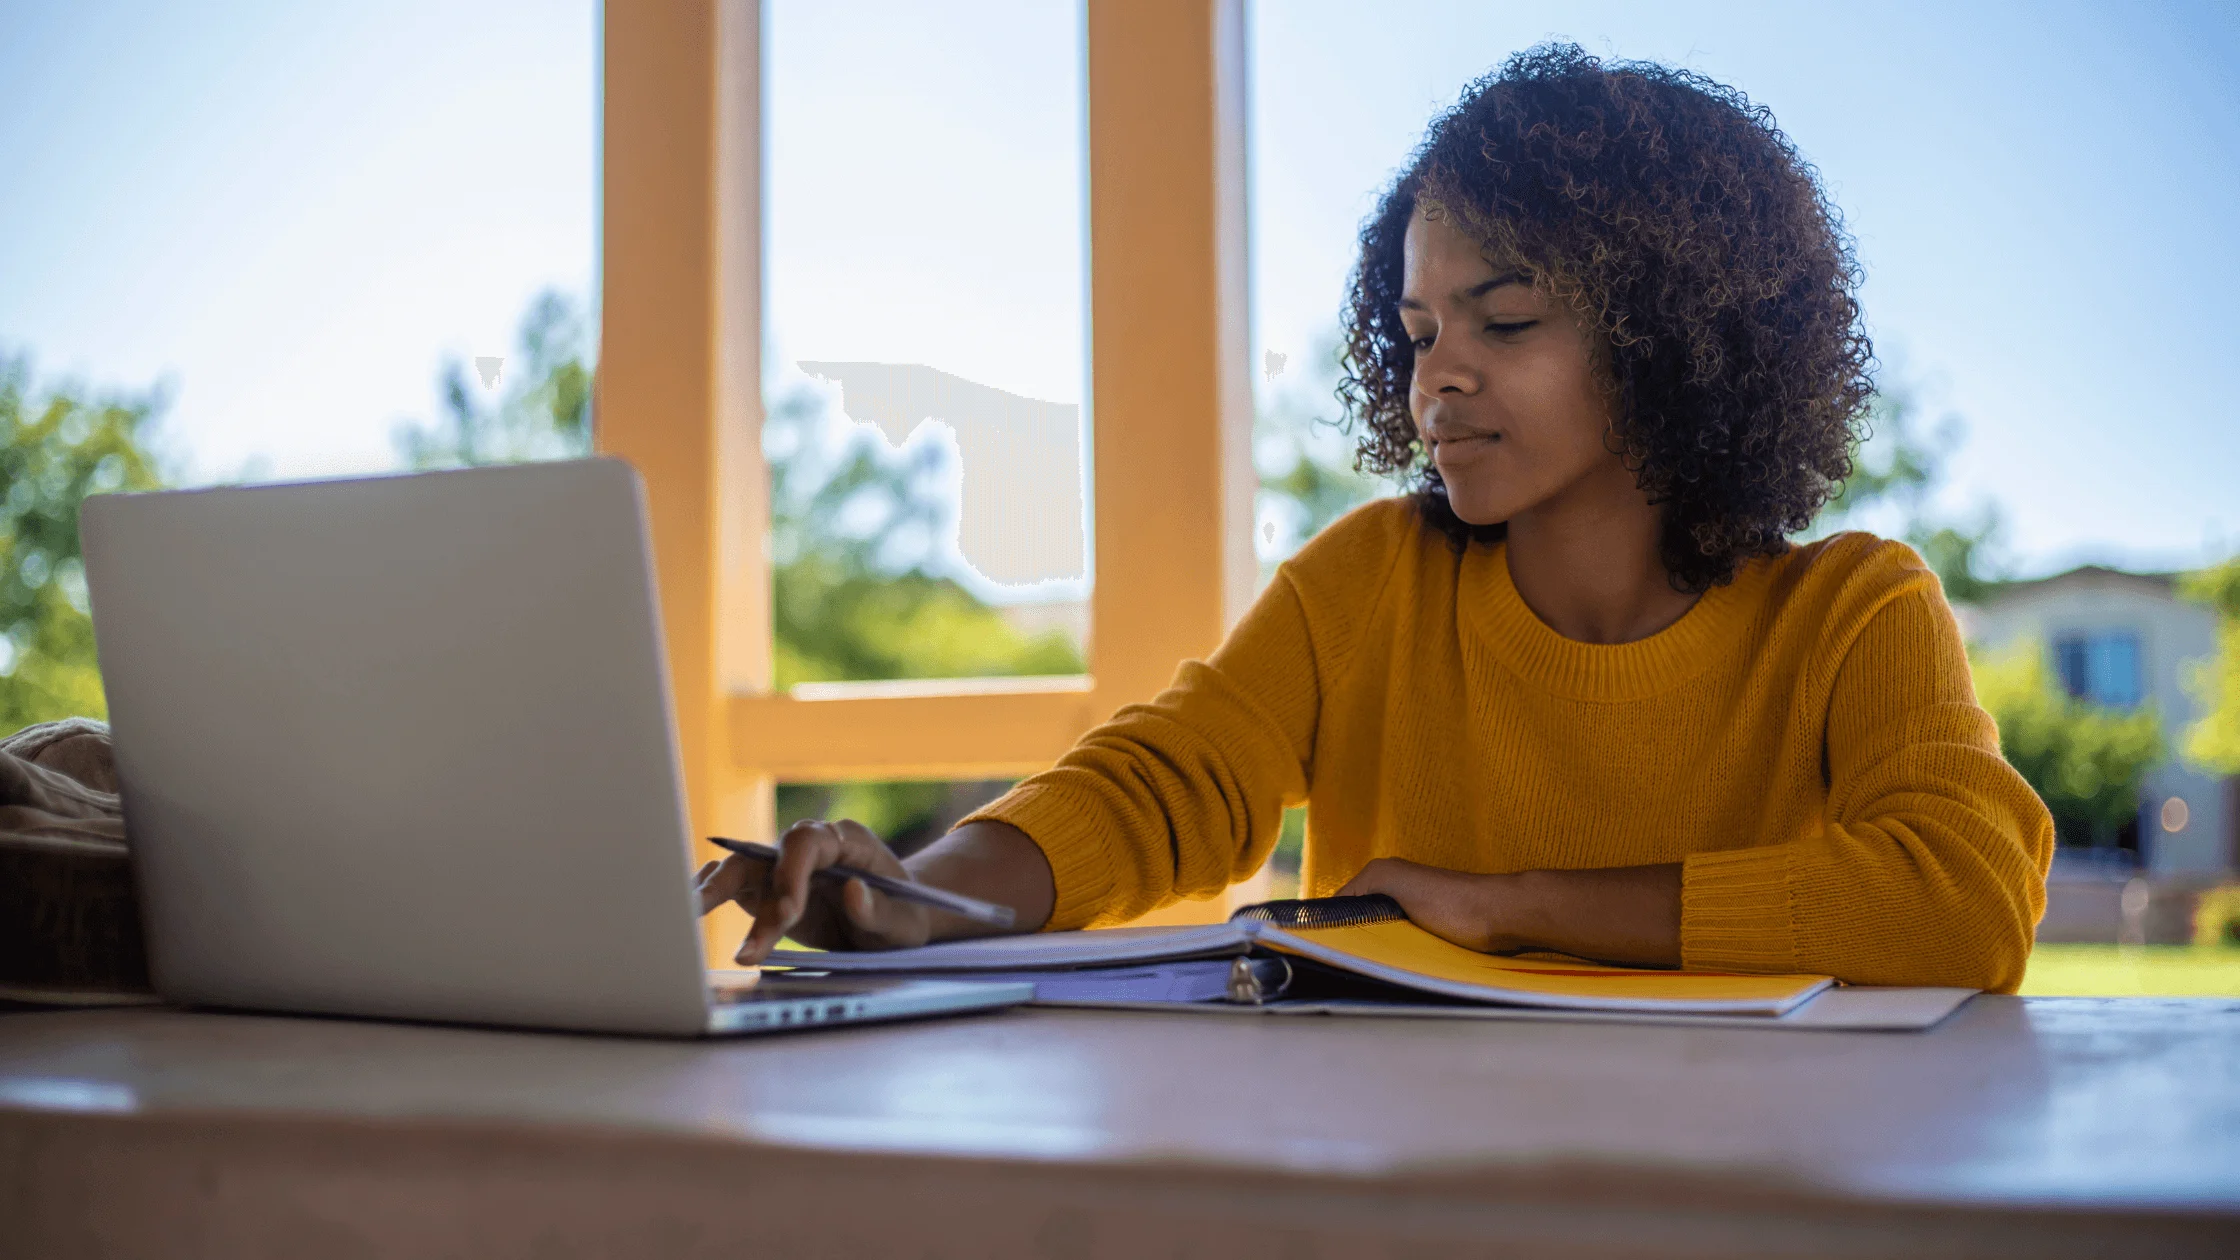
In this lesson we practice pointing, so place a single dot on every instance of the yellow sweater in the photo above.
(1805, 739)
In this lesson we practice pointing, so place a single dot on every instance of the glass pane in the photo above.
(924, 336)
(2115, 670)
(270, 240)
(2073, 659)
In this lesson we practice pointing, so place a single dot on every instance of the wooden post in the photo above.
(1170, 398)
(679, 391)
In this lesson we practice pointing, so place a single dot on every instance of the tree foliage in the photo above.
(858, 589)
(1895, 472)
(1302, 450)
(855, 530)
(858, 594)
(544, 411)
(55, 449)
(2086, 762)
(2214, 741)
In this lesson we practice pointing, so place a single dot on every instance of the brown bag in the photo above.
(69, 920)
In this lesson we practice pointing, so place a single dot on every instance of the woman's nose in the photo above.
(1442, 370)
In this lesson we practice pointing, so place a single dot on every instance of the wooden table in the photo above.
(2044, 1127)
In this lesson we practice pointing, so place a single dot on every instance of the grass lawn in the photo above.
(2134, 971)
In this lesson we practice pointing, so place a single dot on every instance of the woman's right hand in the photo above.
(824, 914)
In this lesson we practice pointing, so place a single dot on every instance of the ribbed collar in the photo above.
(1490, 605)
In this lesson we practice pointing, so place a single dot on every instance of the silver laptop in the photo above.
(402, 747)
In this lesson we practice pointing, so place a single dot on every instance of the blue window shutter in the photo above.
(2101, 668)
(2070, 661)
(2118, 683)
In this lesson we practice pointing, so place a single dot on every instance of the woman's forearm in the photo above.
(992, 861)
(1625, 914)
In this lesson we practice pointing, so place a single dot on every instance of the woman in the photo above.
(1578, 692)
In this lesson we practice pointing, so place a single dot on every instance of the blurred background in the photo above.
(248, 240)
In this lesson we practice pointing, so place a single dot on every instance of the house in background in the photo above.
(2124, 639)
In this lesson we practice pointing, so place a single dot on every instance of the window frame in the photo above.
(1169, 402)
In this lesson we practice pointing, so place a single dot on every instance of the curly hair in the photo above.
(1674, 214)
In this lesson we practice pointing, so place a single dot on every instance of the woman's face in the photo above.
(1504, 393)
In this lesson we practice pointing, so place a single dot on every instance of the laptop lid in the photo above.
(401, 746)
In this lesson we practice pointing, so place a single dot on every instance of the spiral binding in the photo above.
(1324, 912)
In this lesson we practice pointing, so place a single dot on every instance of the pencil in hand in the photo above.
(938, 898)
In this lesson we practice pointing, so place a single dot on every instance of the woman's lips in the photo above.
(1463, 448)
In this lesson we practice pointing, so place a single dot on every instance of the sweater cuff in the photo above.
(1735, 911)
(1080, 866)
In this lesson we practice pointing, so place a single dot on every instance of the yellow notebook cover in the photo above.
(1395, 951)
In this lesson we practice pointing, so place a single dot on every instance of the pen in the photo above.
(940, 899)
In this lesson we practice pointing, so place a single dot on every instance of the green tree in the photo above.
(544, 411)
(858, 595)
(55, 450)
(2087, 762)
(855, 528)
(2214, 741)
(1302, 450)
(1893, 463)
(1894, 472)
(853, 532)
(858, 592)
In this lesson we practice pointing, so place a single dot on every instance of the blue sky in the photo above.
(290, 212)
(2043, 196)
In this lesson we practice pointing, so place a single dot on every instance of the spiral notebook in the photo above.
(1365, 937)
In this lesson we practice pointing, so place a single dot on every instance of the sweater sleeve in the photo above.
(1929, 864)
(1180, 797)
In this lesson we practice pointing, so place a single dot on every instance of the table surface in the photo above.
(2113, 1103)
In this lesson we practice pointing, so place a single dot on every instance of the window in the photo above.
(681, 395)
(328, 232)
(2100, 668)
(923, 338)
(248, 242)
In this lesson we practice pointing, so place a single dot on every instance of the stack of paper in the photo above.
(1396, 953)
(1407, 971)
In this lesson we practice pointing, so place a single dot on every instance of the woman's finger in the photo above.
(836, 914)
(708, 901)
(805, 847)
(735, 878)
(875, 920)
(862, 848)
(769, 926)
(861, 905)
(850, 912)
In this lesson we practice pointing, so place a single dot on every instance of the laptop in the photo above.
(402, 747)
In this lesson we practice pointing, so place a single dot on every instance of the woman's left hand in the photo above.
(1621, 914)
(1474, 911)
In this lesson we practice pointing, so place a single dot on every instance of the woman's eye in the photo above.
(1510, 330)
(1422, 344)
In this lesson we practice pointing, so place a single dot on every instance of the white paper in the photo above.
(1035, 950)
(1843, 1009)
(1839, 1008)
